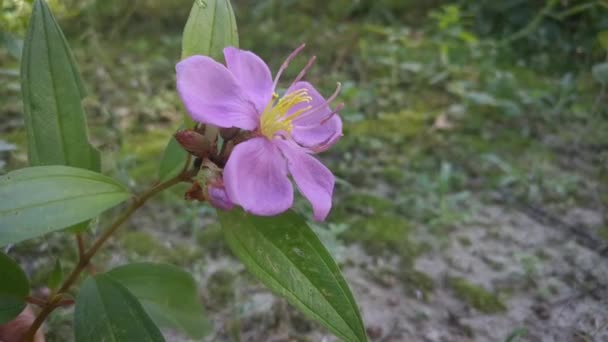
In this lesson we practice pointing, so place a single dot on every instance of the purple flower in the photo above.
(287, 130)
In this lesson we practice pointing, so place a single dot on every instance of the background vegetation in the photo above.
(471, 201)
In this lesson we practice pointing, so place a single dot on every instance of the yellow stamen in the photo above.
(275, 119)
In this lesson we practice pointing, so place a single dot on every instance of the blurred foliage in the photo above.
(548, 28)
(14, 14)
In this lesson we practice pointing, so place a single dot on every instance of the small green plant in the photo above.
(476, 296)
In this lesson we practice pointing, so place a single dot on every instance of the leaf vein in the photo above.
(290, 291)
(59, 200)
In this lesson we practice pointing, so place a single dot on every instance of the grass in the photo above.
(143, 245)
(476, 296)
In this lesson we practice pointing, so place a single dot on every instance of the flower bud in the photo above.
(193, 142)
(208, 185)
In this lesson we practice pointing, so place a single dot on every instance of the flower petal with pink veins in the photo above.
(255, 177)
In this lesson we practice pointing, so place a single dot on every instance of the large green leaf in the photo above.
(210, 28)
(42, 199)
(174, 159)
(14, 287)
(52, 93)
(285, 254)
(106, 311)
(167, 293)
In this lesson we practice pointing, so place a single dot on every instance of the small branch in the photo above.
(80, 243)
(85, 257)
(66, 302)
(137, 203)
(36, 301)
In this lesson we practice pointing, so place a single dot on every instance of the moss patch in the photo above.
(603, 232)
(362, 204)
(211, 240)
(375, 224)
(143, 244)
(465, 241)
(476, 296)
(381, 234)
(146, 149)
(392, 127)
(220, 289)
(416, 282)
(146, 245)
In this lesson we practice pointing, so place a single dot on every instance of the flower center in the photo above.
(274, 118)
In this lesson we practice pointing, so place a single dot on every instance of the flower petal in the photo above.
(212, 95)
(321, 137)
(314, 129)
(218, 197)
(252, 74)
(313, 179)
(255, 177)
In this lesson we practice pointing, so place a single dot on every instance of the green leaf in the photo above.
(168, 294)
(285, 254)
(210, 28)
(44, 199)
(56, 276)
(173, 161)
(79, 227)
(14, 287)
(107, 311)
(52, 92)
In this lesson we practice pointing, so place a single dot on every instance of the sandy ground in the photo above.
(500, 238)
(552, 284)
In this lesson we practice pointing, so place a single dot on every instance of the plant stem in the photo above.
(86, 256)
(35, 301)
(80, 243)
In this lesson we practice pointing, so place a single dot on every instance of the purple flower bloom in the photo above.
(288, 129)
